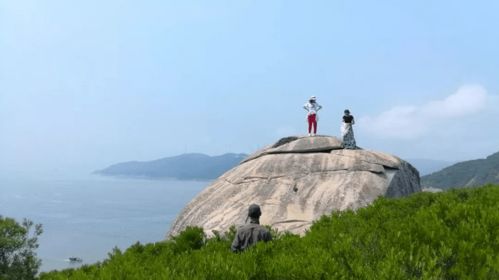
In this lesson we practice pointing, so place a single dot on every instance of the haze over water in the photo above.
(87, 216)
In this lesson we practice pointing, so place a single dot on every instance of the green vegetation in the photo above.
(470, 173)
(451, 235)
(17, 249)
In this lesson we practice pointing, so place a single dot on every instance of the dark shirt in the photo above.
(249, 235)
(348, 119)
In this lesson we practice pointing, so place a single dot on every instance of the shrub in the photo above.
(451, 235)
(17, 249)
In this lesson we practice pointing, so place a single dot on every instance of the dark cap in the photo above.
(254, 211)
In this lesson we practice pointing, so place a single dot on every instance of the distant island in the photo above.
(192, 166)
(469, 173)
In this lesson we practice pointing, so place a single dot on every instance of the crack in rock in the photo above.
(290, 221)
(309, 151)
(370, 162)
(303, 175)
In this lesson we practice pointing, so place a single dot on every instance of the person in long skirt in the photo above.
(347, 131)
(312, 107)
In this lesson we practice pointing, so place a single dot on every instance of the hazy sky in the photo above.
(84, 84)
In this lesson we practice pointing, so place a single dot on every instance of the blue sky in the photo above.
(84, 84)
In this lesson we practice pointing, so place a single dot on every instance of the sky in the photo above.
(85, 84)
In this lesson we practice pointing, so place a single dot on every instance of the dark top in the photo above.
(249, 235)
(348, 119)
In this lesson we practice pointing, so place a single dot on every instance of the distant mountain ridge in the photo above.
(465, 174)
(428, 166)
(192, 166)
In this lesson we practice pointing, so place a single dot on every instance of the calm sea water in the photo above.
(87, 217)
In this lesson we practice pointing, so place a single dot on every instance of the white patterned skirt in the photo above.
(348, 137)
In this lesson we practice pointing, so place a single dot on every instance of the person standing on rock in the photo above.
(312, 107)
(252, 232)
(347, 131)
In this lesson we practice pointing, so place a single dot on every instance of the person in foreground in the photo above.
(312, 107)
(252, 232)
(347, 131)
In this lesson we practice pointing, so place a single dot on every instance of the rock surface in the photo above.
(296, 181)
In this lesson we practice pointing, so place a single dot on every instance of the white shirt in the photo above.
(312, 108)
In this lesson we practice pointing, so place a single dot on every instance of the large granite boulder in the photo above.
(296, 181)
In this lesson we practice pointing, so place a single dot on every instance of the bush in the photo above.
(17, 249)
(192, 238)
(451, 235)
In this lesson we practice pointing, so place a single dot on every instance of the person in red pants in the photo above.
(312, 107)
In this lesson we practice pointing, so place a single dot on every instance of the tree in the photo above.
(18, 242)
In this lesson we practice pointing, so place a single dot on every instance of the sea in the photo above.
(87, 216)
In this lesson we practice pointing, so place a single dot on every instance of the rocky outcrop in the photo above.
(296, 181)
